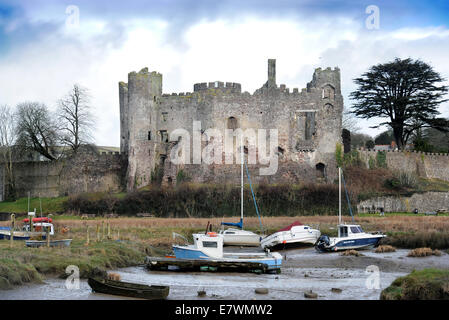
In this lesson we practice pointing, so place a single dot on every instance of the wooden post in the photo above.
(102, 226)
(47, 232)
(87, 236)
(98, 233)
(109, 230)
(11, 234)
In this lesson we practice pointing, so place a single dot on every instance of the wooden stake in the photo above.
(98, 233)
(109, 231)
(11, 234)
(48, 237)
(102, 226)
(87, 236)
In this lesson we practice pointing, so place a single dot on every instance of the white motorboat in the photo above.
(240, 237)
(209, 246)
(293, 235)
(350, 236)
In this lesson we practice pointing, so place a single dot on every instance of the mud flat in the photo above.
(303, 270)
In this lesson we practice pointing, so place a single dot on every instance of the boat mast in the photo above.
(241, 178)
(339, 195)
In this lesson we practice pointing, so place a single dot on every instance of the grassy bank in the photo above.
(19, 264)
(427, 284)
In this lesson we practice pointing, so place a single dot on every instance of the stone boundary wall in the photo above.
(424, 202)
(86, 172)
(423, 164)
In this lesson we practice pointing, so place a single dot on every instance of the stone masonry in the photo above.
(309, 123)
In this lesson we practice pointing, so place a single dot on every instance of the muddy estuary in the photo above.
(304, 269)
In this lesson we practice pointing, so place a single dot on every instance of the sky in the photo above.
(47, 46)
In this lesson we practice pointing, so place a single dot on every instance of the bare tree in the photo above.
(75, 119)
(36, 129)
(349, 122)
(7, 141)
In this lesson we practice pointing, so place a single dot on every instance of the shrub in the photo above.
(423, 252)
(385, 248)
(351, 253)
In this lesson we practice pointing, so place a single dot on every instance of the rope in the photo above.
(347, 197)
(254, 197)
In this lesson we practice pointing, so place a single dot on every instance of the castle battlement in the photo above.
(231, 87)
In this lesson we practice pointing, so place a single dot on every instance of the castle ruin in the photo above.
(309, 124)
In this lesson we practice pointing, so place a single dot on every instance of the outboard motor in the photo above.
(322, 243)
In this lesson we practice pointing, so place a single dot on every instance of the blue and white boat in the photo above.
(209, 246)
(350, 236)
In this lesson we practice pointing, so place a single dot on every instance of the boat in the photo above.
(238, 236)
(52, 243)
(350, 236)
(296, 234)
(127, 289)
(209, 246)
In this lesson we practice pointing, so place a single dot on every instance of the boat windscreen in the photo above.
(355, 230)
(210, 244)
(360, 228)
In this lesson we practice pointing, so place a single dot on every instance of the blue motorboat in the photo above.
(350, 236)
(209, 246)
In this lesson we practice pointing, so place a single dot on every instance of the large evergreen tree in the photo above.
(405, 92)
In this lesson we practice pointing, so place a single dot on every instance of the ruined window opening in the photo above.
(149, 135)
(232, 123)
(328, 92)
(321, 170)
(164, 135)
(164, 116)
(154, 98)
(170, 180)
(281, 151)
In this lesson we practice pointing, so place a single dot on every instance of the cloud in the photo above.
(195, 42)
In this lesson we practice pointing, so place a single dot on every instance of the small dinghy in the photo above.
(127, 289)
(53, 243)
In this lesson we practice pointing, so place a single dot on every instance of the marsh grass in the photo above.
(385, 248)
(427, 284)
(423, 252)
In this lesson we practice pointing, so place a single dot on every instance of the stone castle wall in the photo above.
(424, 202)
(86, 172)
(423, 164)
(308, 123)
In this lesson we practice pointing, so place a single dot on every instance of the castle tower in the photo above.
(144, 92)
(271, 73)
(124, 125)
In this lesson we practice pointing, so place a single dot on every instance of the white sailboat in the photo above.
(238, 236)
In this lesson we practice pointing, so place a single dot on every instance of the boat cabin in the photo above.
(211, 244)
(348, 230)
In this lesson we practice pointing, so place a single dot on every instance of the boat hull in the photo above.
(241, 240)
(20, 235)
(351, 244)
(53, 243)
(126, 289)
(188, 253)
(280, 240)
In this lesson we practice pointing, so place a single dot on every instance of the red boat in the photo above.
(43, 219)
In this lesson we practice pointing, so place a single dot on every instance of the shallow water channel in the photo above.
(357, 277)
